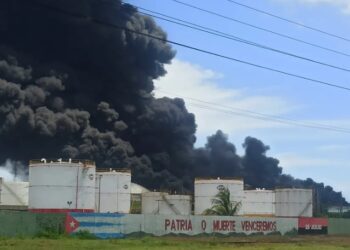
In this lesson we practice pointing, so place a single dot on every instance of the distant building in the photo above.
(338, 209)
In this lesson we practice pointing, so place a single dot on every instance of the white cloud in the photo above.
(302, 152)
(335, 148)
(191, 81)
(342, 186)
(292, 161)
(344, 5)
(320, 167)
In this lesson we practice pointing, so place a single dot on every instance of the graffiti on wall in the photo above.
(179, 225)
(215, 224)
(119, 225)
(102, 225)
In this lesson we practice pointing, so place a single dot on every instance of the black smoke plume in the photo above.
(71, 85)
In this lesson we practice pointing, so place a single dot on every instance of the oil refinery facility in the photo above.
(57, 186)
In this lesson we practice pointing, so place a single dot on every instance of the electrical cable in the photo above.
(252, 114)
(261, 28)
(290, 21)
(190, 47)
(214, 32)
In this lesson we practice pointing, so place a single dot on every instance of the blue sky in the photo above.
(303, 152)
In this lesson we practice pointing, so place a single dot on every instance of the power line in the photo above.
(276, 118)
(255, 115)
(264, 119)
(234, 59)
(214, 32)
(289, 20)
(261, 28)
(248, 113)
(189, 46)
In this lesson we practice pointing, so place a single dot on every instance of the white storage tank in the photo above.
(165, 204)
(59, 185)
(13, 193)
(136, 192)
(294, 202)
(259, 202)
(136, 197)
(113, 191)
(205, 189)
(137, 189)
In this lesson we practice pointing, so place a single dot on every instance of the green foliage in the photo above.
(222, 204)
(84, 235)
(181, 243)
(50, 226)
(48, 234)
(292, 232)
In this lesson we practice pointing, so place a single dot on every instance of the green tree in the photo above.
(222, 204)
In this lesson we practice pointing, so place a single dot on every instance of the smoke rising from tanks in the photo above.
(71, 87)
(13, 171)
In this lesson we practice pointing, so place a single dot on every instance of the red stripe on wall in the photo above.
(302, 222)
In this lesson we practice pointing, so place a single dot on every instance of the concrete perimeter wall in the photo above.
(109, 225)
(338, 226)
(23, 223)
(118, 225)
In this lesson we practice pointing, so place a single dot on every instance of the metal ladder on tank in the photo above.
(172, 207)
(305, 208)
(14, 194)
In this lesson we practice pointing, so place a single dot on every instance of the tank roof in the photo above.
(44, 161)
(113, 170)
(259, 190)
(218, 178)
(294, 189)
(160, 194)
(138, 189)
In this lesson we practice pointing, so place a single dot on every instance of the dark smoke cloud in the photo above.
(14, 72)
(218, 158)
(258, 167)
(73, 87)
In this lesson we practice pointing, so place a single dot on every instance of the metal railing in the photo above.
(219, 178)
(60, 160)
(119, 170)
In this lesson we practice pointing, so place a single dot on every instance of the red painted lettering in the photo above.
(189, 228)
(223, 225)
(274, 227)
(178, 225)
(183, 225)
(259, 226)
(216, 224)
(167, 224)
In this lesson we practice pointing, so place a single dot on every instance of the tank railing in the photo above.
(75, 161)
(120, 170)
(291, 188)
(171, 192)
(219, 178)
(260, 190)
